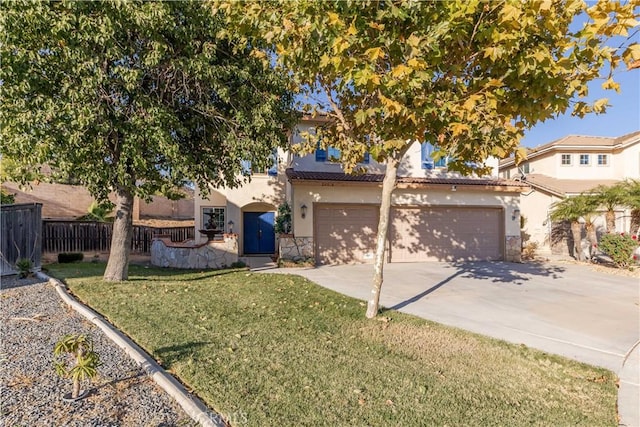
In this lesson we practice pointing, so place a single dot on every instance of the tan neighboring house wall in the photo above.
(68, 202)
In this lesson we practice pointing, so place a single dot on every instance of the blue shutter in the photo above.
(321, 155)
(367, 158)
(425, 156)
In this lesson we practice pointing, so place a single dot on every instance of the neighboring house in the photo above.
(567, 167)
(68, 202)
(436, 215)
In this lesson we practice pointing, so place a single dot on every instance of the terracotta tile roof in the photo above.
(562, 187)
(377, 178)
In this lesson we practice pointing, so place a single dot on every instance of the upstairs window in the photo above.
(426, 156)
(566, 160)
(603, 160)
(329, 154)
(248, 169)
(584, 159)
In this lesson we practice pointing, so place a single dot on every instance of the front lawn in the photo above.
(284, 351)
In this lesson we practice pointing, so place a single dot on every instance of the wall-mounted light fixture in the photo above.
(515, 214)
(230, 224)
(454, 188)
(303, 210)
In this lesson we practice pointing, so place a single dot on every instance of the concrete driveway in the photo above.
(560, 308)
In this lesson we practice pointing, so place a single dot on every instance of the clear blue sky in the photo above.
(621, 118)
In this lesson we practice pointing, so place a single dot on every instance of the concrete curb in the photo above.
(190, 404)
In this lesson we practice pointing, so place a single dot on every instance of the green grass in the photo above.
(284, 351)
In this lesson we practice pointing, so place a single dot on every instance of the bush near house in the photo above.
(621, 248)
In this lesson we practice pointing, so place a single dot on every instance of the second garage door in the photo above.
(446, 234)
(345, 234)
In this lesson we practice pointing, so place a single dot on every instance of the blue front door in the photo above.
(259, 235)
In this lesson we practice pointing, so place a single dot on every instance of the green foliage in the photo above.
(238, 264)
(24, 266)
(67, 257)
(98, 212)
(7, 198)
(620, 247)
(134, 95)
(283, 219)
(134, 98)
(467, 76)
(573, 208)
(84, 361)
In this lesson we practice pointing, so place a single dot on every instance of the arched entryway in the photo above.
(258, 234)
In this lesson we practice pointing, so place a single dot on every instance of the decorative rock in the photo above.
(188, 255)
(295, 248)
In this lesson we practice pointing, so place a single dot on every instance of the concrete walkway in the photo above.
(560, 308)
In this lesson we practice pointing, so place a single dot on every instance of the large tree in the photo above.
(134, 98)
(468, 76)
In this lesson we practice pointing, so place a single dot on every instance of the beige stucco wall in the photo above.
(629, 159)
(309, 194)
(263, 194)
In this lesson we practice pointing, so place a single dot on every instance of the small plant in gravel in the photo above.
(620, 247)
(24, 267)
(75, 359)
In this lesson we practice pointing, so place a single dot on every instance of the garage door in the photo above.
(446, 234)
(345, 234)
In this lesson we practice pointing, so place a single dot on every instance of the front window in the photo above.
(248, 169)
(603, 160)
(213, 218)
(584, 159)
(566, 160)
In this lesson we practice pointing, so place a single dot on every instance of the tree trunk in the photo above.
(635, 222)
(118, 264)
(610, 216)
(592, 238)
(76, 380)
(576, 233)
(388, 185)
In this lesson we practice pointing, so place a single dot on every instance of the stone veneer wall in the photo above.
(188, 255)
(513, 249)
(295, 248)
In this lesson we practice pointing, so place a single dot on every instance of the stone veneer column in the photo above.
(513, 249)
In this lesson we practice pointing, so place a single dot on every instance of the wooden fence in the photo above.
(21, 235)
(89, 236)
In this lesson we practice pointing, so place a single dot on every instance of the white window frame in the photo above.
(606, 160)
(205, 218)
(568, 157)
(586, 156)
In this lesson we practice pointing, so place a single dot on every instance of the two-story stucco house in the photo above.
(436, 215)
(567, 167)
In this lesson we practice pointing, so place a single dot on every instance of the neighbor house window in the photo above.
(603, 160)
(584, 159)
(566, 160)
(213, 218)
(506, 174)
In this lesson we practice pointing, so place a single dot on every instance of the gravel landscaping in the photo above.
(33, 318)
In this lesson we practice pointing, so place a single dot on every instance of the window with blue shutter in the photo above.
(246, 167)
(273, 170)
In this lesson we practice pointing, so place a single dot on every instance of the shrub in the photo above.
(238, 264)
(67, 257)
(24, 267)
(620, 248)
(529, 250)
